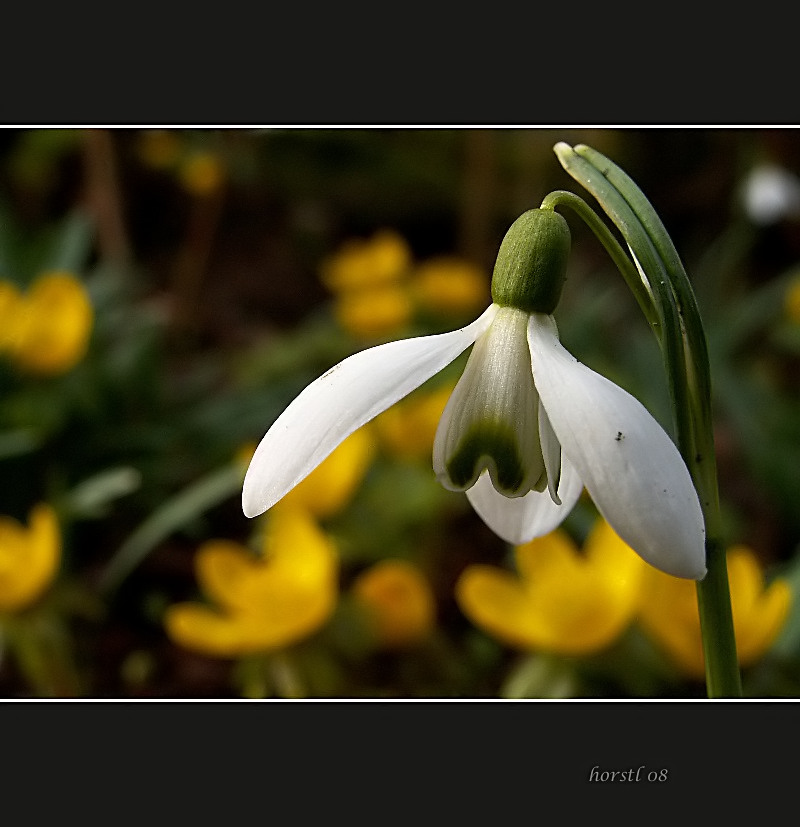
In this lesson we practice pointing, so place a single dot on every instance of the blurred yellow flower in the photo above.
(373, 312)
(29, 557)
(791, 300)
(450, 285)
(333, 483)
(367, 277)
(201, 173)
(159, 148)
(9, 302)
(262, 604)
(398, 601)
(378, 288)
(360, 264)
(564, 601)
(407, 429)
(669, 612)
(47, 329)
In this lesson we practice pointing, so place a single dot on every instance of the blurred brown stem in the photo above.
(103, 196)
(192, 258)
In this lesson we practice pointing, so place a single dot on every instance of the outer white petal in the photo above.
(519, 519)
(340, 401)
(632, 469)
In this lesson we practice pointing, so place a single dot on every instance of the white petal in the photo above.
(632, 469)
(490, 421)
(551, 453)
(519, 519)
(340, 401)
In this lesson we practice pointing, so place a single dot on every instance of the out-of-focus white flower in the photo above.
(771, 193)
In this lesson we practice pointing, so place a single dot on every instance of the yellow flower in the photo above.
(563, 601)
(399, 602)
(407, 429)
(201, 173)
(9, 304)
(450, 285)
(359, 264)
(48, 327)
(159, 148)
(373, 312)
(669, 612)
(791, 300)
(262, 604)
(332, 484)
(29, 557)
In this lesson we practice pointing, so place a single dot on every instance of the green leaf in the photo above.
(177, 512)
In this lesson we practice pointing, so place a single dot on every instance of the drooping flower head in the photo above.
(526, 427)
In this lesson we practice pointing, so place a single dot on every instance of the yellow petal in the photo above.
(550, 557)
(495, 601)
(374, 312)
(267, 627)
(450, 285)
(758, 613)
(399, 601)
(158, 148)
(381, 260)
(565, 601)
(279, 598)
(53, 325)
(297, 553)
(10, 298)
(29, 558)
(332, 484)
(228, 573)
(669, 612)
(204, 630)
(408, 428)
(614, 566)
(745, 578)
(792, 300)
(202, 173)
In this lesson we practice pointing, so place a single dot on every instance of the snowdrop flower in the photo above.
(526, 427)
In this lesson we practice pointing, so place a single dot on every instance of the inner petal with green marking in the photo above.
(491, 421)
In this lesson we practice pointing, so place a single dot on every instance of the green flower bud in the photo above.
(531, 264)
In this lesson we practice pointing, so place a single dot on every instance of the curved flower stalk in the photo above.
(656, 276)
(526, 428)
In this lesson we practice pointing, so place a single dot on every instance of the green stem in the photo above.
(613, 248)
(685, 354)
